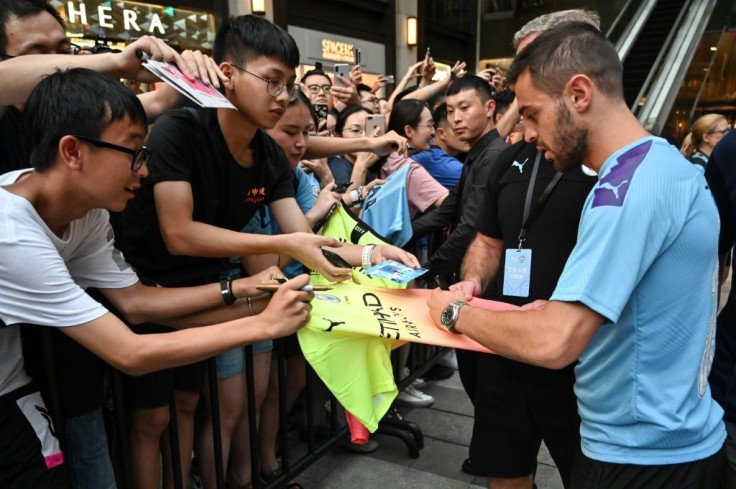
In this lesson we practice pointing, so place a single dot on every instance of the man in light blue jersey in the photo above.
(636, 301)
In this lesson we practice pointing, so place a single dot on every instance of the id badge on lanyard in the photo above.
(517, 272)
(518, 266)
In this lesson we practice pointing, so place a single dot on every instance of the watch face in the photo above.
(447, 316)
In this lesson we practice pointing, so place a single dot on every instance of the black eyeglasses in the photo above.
(314, 89)
(722, 131)
(275, 85)
(140, 156)
(72, 49)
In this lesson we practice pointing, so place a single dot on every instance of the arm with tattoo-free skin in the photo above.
(20, 75)
(480, 266)
(322, 146)
(113, 342)
(548, 334)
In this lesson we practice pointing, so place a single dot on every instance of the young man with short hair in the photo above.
(89, 157)
(441, 161)
(636, 301)
(212, 170)
(470, 114)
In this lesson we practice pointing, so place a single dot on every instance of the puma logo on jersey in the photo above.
(332, 324)
(612, 188)
(520, 166)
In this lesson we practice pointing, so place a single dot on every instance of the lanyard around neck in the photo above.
(531, 214)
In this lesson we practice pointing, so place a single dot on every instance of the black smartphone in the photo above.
(356, 53)
(342, 188)
(440, 283)
(320, 113)
(336, 259)
(318, 225)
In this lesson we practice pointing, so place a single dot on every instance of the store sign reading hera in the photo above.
(126, 20)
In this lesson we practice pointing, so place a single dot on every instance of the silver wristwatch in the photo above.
(450, 315)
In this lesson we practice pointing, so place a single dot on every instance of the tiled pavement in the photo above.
(446, 426)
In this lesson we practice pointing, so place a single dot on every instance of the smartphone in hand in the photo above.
(342, 70)
(372, 122)
(336, 259)
(342, 188)
(320, 113)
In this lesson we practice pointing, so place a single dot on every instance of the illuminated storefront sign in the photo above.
(128, 20)
(338, 51)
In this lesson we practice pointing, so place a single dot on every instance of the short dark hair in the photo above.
(503, 100)
(362, 87)
(246, 37)
(347, 112)
(406, 112)
(439, 116)
(316, 71)
(471, 82)
(76, 101)
(20, 9)
(567, 50)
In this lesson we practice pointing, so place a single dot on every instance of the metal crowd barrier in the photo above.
(294, 458)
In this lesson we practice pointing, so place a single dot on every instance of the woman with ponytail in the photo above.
(704, 134)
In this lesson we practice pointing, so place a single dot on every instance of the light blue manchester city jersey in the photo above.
(646, 259)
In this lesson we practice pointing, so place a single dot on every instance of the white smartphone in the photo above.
(372, 122)
(342, 70)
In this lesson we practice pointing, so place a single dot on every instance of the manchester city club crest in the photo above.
(326, 298)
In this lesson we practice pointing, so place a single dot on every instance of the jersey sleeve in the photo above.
(618, 243)
(305, 192)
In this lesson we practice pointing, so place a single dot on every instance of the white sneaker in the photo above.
(414, 397)
(449, 359)
(418, 383)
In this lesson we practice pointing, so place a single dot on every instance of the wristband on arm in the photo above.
(226, 289)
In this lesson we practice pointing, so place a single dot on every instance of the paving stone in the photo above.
(327, 463)
(454, 428)
(364, 472)
(544, 457)
(415, 479)
(446, 426)
(547, 477)
(444, 459)
(449, 399)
